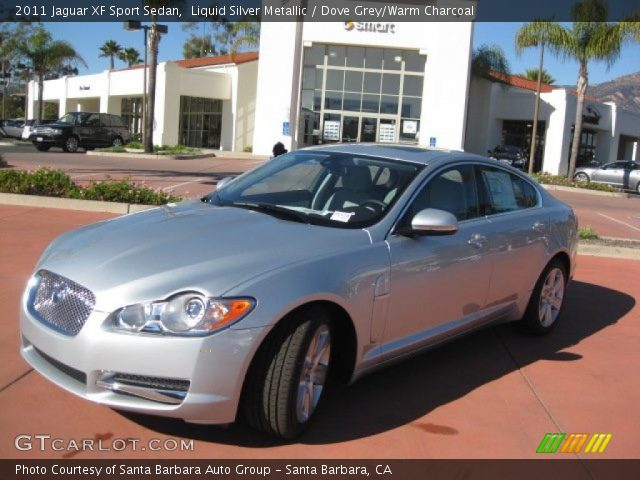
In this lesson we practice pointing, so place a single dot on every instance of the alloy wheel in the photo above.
(551, 297)
(581, 177)
(314, 373)
(72, 144)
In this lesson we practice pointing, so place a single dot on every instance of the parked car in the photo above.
(624, 174)
(12, 127)
(329, 262)
(82, 130)
(30, 125)
(512, 155)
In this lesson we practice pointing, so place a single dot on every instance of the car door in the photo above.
(517, 235)
(438, 284)
(612, 173)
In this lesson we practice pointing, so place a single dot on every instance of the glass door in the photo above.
(368, 129)
(350, 128)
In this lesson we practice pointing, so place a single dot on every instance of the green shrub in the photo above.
(248, 149)
(44, 181)
(587, 233)
(175, 149)
(55, 183)
(135, 145)
(3, 162)
(564, 181)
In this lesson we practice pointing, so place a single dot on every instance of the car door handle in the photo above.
(538, 227)
(477, 240)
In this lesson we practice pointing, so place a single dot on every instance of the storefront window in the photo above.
(200, 122)
(374, 93)
(131, 113)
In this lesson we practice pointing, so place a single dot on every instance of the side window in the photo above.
(115, 121)
(105, 120)
(505, 192)
(453, 190)
(93, 120)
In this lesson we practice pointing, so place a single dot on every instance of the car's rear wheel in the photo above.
(581, 177)
(117, 142)
(288, 376)
(71, 145)
(638, 188)
(547, 300)
(43, 148)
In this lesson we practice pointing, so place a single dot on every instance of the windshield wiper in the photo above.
(277, 210)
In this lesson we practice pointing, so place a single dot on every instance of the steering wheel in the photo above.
(376, 205)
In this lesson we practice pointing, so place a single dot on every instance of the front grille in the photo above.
(66, 369)
(157, 383)
(61, 303)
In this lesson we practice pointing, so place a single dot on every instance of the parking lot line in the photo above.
(177, 185)
(619, 221)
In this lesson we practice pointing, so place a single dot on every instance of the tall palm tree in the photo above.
(130, 56)
(589, 38)
(110, 49)
(44, 55)
(532, 74)
(198, 46)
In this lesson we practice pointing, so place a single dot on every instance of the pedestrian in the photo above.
(278, 149)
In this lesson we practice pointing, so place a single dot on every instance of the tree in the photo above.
(244, 35)
(488, 58)
(11, 37)
(130, 56)
(532, 74)
(44, 55)
(110, 49)
(198, 46)
(589, 38)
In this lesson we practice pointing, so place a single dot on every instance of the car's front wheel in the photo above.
(581, 177)
(287, 379)
(71, 145)
(43, 148)
(547, 299)
(117, 142)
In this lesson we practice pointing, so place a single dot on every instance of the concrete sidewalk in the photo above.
(490, 395)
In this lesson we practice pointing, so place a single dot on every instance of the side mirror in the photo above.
(430, 221)
(223, 182)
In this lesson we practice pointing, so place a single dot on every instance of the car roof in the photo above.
(407, 153)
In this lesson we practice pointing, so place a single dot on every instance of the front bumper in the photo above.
(212, 367)
(40, 139)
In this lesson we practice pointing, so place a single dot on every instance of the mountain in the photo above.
(624, 91)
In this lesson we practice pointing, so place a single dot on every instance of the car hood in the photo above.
(189, 246)
(52, 125)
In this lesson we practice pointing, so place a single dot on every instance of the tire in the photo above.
(581, 177)
(276, 400)
(638, 188)
(71, 145)
(117, 142)
(43, 148)
(547, 300)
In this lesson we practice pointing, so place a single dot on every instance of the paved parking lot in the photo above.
(614, 217)
(490, 395)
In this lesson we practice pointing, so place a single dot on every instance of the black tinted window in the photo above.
(93, 120)
(453, 190)
(116, 121)
(505, 192)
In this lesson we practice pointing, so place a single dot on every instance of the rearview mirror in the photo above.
(430, 221)
(223, 182)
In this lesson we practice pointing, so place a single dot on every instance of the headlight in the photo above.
(56, 131)
(183, 314)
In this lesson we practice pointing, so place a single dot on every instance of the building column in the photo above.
(104, 92)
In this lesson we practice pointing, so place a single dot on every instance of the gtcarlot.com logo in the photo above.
(574, 443)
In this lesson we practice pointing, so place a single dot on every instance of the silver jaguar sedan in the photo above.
(327, 262)
(624, 174)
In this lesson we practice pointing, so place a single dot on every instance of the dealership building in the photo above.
(319, 82)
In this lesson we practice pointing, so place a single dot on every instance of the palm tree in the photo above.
(532, 74)
(45, 55)
(130, 56)
(110, 49)
(589, 38)
(489, 58)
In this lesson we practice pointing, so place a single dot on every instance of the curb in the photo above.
(586, 191)
(71, 204)
(608, 251)
(150, 156)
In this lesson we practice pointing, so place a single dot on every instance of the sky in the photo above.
(88, 37)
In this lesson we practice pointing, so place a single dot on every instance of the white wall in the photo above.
(448, 50)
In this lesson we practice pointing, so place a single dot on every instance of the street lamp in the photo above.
(132, 25)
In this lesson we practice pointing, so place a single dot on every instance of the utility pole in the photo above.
(536, 110)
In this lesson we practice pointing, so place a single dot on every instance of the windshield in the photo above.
(74, 118)
(322, 188)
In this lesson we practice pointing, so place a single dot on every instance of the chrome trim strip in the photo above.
(171, 397)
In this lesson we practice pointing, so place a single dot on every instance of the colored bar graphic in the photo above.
(573, 442)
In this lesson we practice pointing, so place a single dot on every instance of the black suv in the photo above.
(510, 154)
(81, 129)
